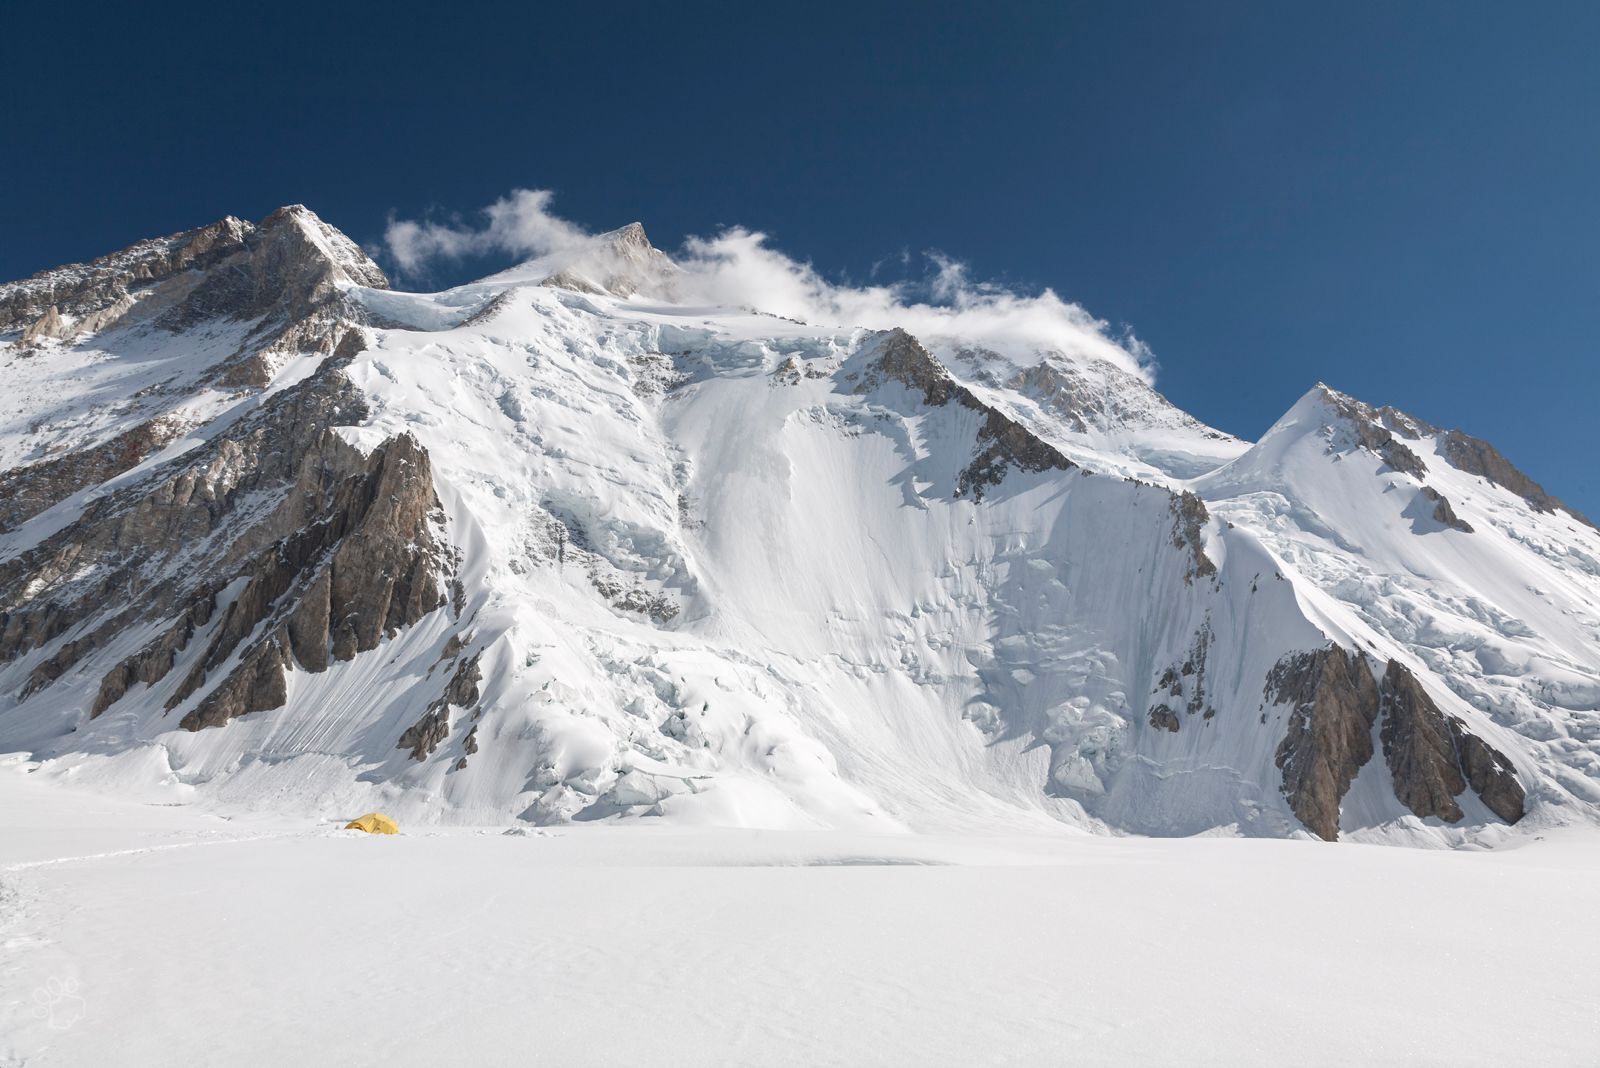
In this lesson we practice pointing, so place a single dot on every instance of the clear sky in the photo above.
(1397, 198)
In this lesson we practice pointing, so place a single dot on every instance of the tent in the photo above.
(373, 823)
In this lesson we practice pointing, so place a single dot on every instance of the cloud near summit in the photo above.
(739, 267)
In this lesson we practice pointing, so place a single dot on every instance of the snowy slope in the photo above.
(1501, 609)
(661, 945)
(653, 557)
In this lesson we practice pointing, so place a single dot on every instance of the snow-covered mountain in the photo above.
(573, 543)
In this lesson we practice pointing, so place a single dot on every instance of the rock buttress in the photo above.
(1419, 747)
(1329, 739)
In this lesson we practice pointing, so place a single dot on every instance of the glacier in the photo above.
(575, 542)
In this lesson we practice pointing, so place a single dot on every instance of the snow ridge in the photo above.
(704, 564)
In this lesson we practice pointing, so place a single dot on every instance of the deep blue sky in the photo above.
(1400, 199)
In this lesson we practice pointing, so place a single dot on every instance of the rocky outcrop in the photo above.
(1432, 757)
(1164, 718)
(1329, 738)
(257, 684)
(1373, 430)
(1443, 512)
(426, 735)
(1006, 443)
(288, 265)
(130, 556)
(1489, 773)
(27, 491)
(1480, 458)
(282, 275)
(49, 325)
(1419, 747)
(1189, 519)
(1003, 443)
(1185, 685)
(366, 566)
(152, 663)
(325, 550)
(903, 359)
(1376, 430)
(82, 289)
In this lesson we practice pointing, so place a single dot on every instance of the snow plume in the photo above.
(740, 268)
(519, 224)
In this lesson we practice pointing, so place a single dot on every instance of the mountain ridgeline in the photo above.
(563, 544)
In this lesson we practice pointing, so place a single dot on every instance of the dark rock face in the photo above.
(1189, 520)
(129, 555)
(426, 735)
(256, 685)
(27, 491)
(152, 663)
(1432, 757)
(1329, 738)
(1373, 432)
(1185, 685)
(1484, 460)
(1003, 442)
(367, 566)
(282, 275)
(1006, 444)
(1164, 718)
(84, 288)
(1419, 747)
(1490, 773)
(1442, 512)
(1376, 430)
(328, 550)
(281, 270)
(287, 265)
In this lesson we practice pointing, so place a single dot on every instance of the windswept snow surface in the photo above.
(157, 934)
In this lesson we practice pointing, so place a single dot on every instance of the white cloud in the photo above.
(520, 224)
(740, 268)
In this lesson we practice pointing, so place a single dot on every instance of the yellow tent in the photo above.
(374, 823)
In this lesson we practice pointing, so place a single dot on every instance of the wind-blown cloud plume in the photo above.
(740, 268)
(520, 224)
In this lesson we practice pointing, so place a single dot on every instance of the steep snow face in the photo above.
(1492, 598)
(811, 617)
(1099, 414)
(712, 565)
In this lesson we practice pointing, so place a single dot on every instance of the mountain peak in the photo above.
(620, 262)
(631, 235)
(501, 549)
(318, 244)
